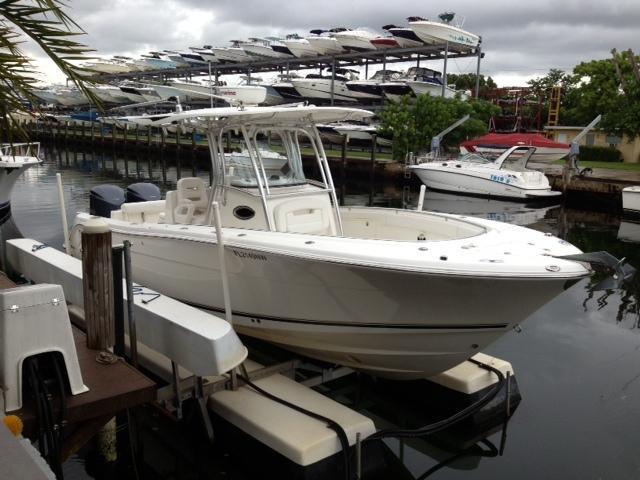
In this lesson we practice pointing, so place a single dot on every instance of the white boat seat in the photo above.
(304, 215)
(192, 199)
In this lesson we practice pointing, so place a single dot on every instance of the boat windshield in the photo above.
(274, 161)
(475, 158)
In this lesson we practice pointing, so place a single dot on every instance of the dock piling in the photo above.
(97, 282)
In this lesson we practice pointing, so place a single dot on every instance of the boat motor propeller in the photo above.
(620, 271)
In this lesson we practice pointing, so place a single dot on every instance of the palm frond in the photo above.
(45, 22)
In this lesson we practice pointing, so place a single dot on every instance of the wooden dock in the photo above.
(113, 387)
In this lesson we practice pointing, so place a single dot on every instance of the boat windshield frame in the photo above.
(505, 161)
(289, 135)
(24, 149)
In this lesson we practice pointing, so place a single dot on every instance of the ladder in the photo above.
(554, 106)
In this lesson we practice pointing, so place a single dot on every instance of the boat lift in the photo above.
(435, 141)
(574, 151)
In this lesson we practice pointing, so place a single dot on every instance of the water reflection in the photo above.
(577, 360)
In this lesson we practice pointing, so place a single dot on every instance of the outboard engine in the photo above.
(103, 199)
(143, 192)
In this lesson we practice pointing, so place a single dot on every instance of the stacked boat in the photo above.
(330, 41)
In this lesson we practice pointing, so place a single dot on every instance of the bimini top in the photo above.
(292, 116)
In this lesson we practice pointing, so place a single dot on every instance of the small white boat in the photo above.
(361, 132)
(15, 158)
(404, 36)
(108, 66)
(285, 88)
(70, 97)
(234, 53)
(398, 293)
(505, 177)
(299, 47)
(176, 58)
(324, 42)
(631, 199)
(372, 88)
(358, 40)
(318, 87)
(192, 58)
(245, 94)
(262, 47)
(109, 94)
(128, 62)
(206, 53)
(442, 31)
(417, 81)
(139, 94)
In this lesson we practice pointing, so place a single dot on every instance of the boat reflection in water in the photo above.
(516, 213)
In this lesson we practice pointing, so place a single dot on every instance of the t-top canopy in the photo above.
(216, 118)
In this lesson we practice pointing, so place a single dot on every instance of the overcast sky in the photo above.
(520, 40)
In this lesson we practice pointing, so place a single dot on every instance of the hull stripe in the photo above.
(477, 326)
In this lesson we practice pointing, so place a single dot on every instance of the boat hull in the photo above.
(247, 94)
(231, 54)
(321, 89)
(427, 88)
(355, 42)
(389, 322)
(435, 32)
(263, 51)
(301, 48)
(325, 45)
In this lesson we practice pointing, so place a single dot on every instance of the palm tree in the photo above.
(46, 24)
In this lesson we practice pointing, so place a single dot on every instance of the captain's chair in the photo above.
(192, 199)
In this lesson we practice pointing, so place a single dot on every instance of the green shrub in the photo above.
(600, 154)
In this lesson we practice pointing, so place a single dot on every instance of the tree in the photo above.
(46, 24)
(413, 121)
(467, 81)
(601, 88)
(542, 86)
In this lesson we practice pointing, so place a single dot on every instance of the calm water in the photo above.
(577, 360)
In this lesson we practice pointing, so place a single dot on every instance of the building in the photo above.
(629, 148)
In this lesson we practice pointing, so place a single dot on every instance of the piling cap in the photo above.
(95, 225)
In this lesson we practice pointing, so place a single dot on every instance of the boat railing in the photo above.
(24, 149)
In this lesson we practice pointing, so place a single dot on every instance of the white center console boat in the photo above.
(397, 293)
